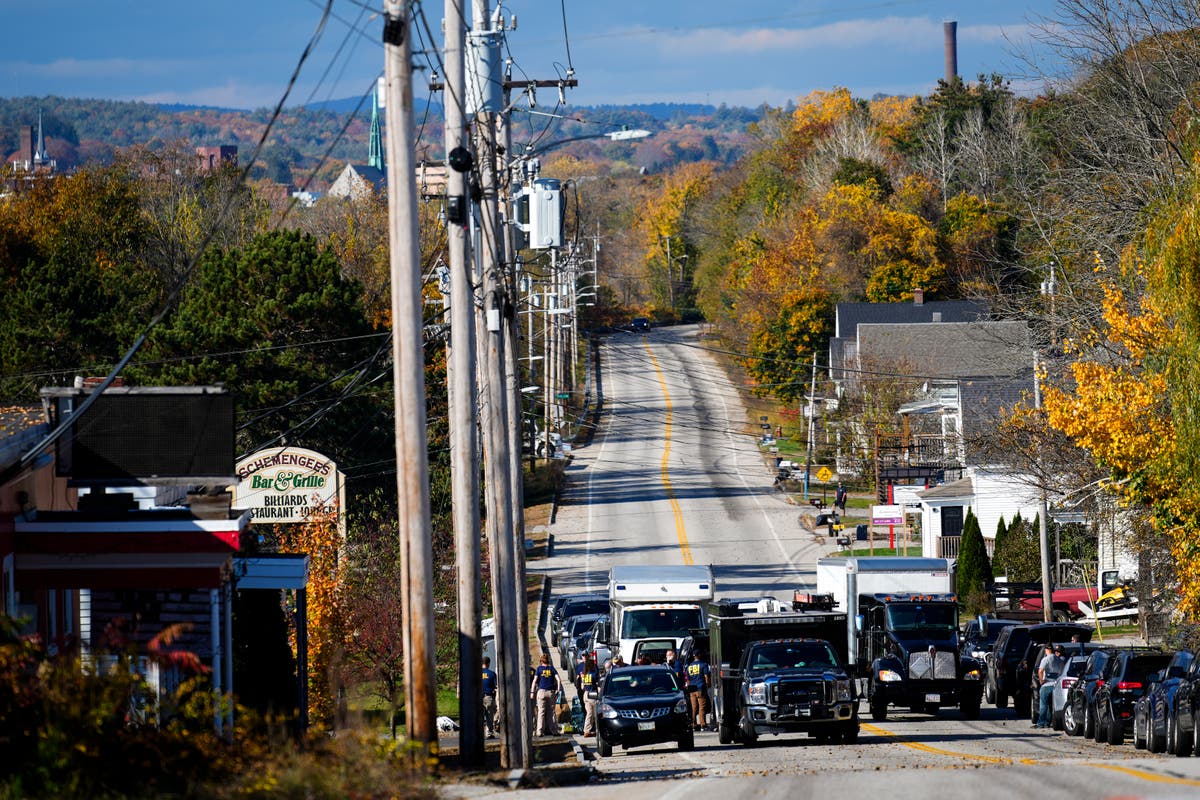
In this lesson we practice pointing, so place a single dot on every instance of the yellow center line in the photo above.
(1133, 772)
(665, 466)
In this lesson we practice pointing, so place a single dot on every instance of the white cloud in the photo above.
(96, 68)
(897, 32)
(232, 94)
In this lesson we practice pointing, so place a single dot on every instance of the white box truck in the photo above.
(663, 604)
(902, 632)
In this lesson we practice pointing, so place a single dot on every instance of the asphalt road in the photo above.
(674, 476)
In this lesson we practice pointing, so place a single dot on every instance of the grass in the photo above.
(911, 550)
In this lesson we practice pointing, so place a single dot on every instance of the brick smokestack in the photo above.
(950, 35)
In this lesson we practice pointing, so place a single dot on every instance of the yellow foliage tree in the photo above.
(320, 539)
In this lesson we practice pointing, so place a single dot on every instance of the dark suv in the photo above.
(640, 325)
(1123, 682)
(1009, 673)
(642, 705)
(573, 606)
(1187, 707)
(1078, 719)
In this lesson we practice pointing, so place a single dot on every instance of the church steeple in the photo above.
(39, 153)
(375, 153)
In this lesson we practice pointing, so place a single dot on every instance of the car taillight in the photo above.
(1099, 684)
(1129, 685)
(1067, 682)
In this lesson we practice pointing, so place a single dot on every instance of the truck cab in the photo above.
(911, 643)
(656, 602)
(782, 671)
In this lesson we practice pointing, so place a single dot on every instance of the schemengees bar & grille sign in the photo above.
(287, 485)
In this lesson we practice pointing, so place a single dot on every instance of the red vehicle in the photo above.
(1064, 602)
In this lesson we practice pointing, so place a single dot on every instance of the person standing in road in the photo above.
(544, 692)
(587, 683)
(672, 663)
(697, 689)
(1049, 669)
(488, 684)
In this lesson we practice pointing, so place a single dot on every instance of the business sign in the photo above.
(287, 484)
(906, 494)
(887, 515)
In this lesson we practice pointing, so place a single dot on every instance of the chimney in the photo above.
(950, 35)
(26, 146)
(918, 297)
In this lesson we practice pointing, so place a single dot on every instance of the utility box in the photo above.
(545, 214)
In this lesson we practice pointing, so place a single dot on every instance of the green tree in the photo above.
(998, 546)
(1019, 556)
(974, 569)
(278, 324)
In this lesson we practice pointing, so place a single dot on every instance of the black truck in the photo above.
(911, 643)
(780, 672)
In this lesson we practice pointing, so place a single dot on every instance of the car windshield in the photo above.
(1142, 666)
(792, 655)
(643, 623)
(1075, 667)
(631, 683)
(573, 608)
(920, 619)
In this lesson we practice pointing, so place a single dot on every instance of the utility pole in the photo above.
(812, 414)
(408, 372)
(462, 391)
(496, 307)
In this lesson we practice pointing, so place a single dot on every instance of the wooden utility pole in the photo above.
(462, 392)
(510, 640)
(408, 371)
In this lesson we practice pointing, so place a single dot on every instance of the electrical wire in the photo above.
(566, 37)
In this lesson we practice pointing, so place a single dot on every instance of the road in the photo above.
(674, 476)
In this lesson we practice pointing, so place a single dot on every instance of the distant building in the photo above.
(362, 180)
(31, 155)
(212, 158)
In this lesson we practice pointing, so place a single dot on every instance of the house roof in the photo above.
(955, 490)
(949, 349)
(984, 400)
(848, 316)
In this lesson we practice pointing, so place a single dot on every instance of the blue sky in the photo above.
(240, 54)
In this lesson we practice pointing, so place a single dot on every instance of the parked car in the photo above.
(574, 605)
(978, 638)
(1141, 712)
(577, 625)
(1072, 672)
(1123, 682)
(640, 706)
(601, 652)
(1080, 700)
(1187, 706)
(1009, 671)
(556, 612)
(1161, 732)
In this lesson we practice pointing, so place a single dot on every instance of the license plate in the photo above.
(933, 698)
(645, 726)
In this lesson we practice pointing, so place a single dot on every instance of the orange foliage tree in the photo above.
(320, 538)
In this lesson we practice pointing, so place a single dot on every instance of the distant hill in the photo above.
(318, 140)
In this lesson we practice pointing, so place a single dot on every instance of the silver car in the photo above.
(1064, 681)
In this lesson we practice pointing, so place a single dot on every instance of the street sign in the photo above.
(824, 474)
(563, 396)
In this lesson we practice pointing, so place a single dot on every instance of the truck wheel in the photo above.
(1001, 700)
(725, 734)
(1154, 742)
(850, 733)
(749, 737)
(989, 693)
(969, 709)
(687, 742)
(878, 709)
(1089, 722)
(603, 746)
(1056, 720)
(1101, 733)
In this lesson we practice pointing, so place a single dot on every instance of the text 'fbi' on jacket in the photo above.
(545, 677)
